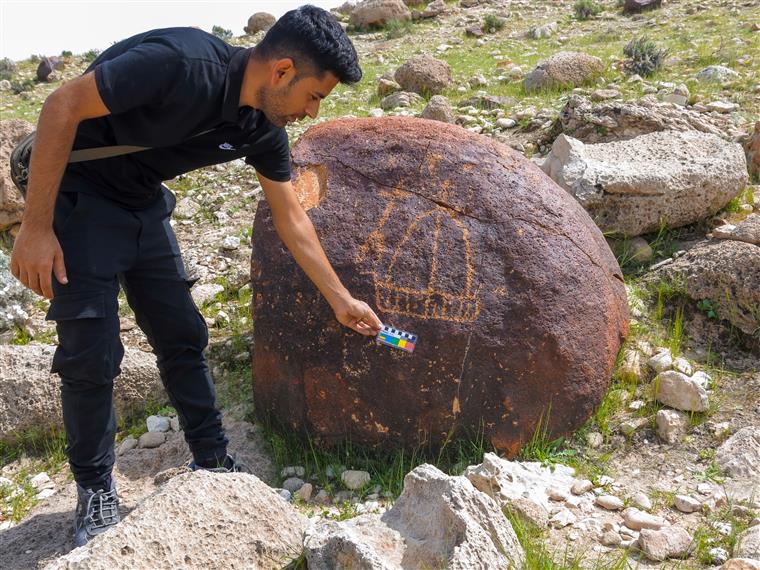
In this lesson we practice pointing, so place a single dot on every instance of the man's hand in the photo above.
(357, 315)
(36, 256)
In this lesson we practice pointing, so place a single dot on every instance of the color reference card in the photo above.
(396, 338)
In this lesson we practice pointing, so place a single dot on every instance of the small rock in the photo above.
(304, 493)
(377, 112)
(661, 361)
(387, 86)
(292, 484)
(151, 439)
(581, 486)
(505, 123)
(642, 501)
(530, 511)
(609, 502)
(562, 518)
(44, 494)
(605, 94)
(670, 542)
(687, 504)
(748, 544)
(158, 424)
(231, 243)
(677, 390)
(322, 498)
(733, 564)
(41, 481)
(205, 293)
(127, 445)
(293, 471)
(186, 208)
(683, 365)
(556, 494)
(702, 379)
(285, 494)
(637, 520)
(671, 425)
(640, 250)
(718, 555)
(629, 427)
(610, 538)
(717, 74)
(355, 480)
(722, 106)
(174, 424)
(594, 439)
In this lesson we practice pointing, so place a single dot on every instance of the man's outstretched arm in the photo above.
(297, 232)
(36, 252)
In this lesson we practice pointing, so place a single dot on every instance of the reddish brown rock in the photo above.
(518, 302)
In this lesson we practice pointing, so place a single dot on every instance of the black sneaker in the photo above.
(97, 511)
(229, 465)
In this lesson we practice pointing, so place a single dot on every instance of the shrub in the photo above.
(7, 68)
(66, 53)
(21, 86)
(492, 23)
(585, 9)
(644, 56)
(221, 33)
(397, 28)
(91, 55)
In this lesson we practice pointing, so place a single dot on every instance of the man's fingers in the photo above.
(59, 268)
(34, 282)
(46, 285)
(15, 269)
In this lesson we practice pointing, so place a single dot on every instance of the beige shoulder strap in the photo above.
(109, 151)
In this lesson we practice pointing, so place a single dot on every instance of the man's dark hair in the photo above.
(312, 38)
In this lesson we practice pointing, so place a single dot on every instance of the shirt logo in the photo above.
(226, 146)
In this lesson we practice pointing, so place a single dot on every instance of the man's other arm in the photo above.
(36, 252)
(297, 232)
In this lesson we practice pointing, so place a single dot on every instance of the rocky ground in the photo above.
(667, 470)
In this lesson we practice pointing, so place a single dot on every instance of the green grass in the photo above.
(386, 468)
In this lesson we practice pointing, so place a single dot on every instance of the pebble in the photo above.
(151, 439)
(562, 518)
(158, 424)
(322, 497)
(205, 293)
(594, 439)
(670, 542)
(354, 479)
(231, 243)
(292, 484)
(293, 471)
(174, 423)
(609, 502)
(637, 520)
(687, 504)
(44, 494)
(704, 488)
(642, 501)
(718, 555)
(702, 379)
(581, 486)
(304, 493)
(558, 495)
(610, 538)
(671, 425)
(377, 112)
(127, 445)
(661, 361)
(683, 365)
(285, 494)
(41, 481)
(721, 106)
(678, 391)
(505, 123)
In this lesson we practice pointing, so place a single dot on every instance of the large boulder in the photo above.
(518, 302)
(11, 201)
(623, 120)
(14, 300)
(725, 272)
(563, 69)
(30, 397)
(424, 74)
(377, 13)
(632, 186)
(198, 520)
(259, 22)
(437, 522)
(748, 544)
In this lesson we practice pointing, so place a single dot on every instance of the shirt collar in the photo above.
(231, 111)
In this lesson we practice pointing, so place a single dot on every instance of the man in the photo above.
(195, 101)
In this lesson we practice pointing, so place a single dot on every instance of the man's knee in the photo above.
(89, 348)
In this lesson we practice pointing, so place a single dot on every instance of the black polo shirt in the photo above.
(162, 88)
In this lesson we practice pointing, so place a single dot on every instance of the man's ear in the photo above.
(283, 71)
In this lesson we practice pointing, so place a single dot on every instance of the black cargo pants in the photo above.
(105, 245)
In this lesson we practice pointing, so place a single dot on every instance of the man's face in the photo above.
(289, 98)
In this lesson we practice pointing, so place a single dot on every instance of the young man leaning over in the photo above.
(195, 101)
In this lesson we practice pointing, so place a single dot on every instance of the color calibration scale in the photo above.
(397, 338)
